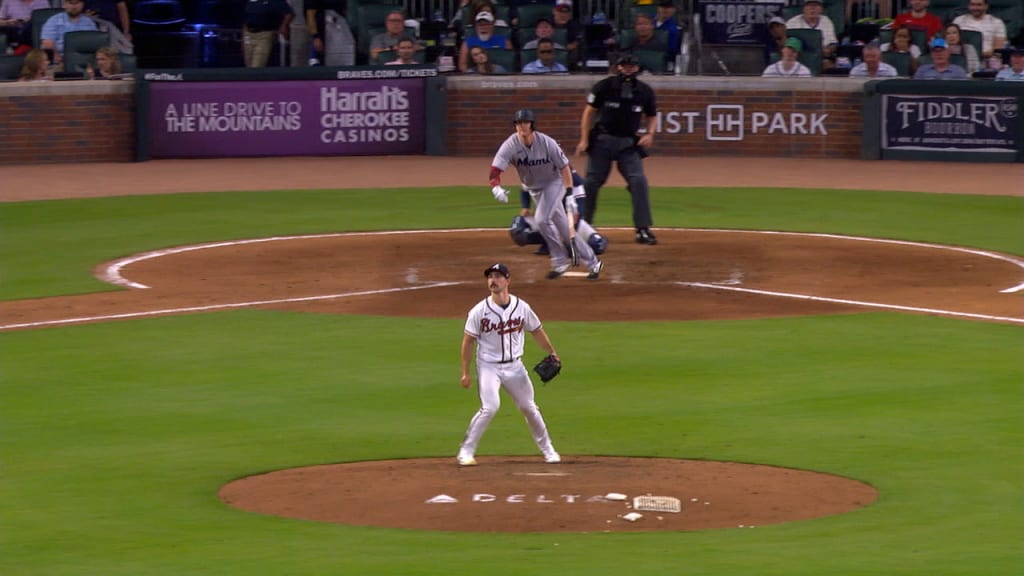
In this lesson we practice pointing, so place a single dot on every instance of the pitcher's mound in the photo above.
(523, 494)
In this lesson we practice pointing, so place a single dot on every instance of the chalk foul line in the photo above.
(211, 307)
(863, 303)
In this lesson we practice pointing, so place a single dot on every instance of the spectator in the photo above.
(316, 25)
(562, 13)
(113, 11)
(264, 19)
(940, 68)
(666, 20)
(776, 38)
(35, 68)
(918, 18)
(543, 30)
(788, 66)
(72, 19)
(108, 65)
(1015, 73)
(406, 50)
(645, 38)
(484, 37)
(872, 65)
(993, 30)
(545, 62)
(903, 43)
(482, 63)
(958, 46)
(811, 18)
(16, 18)
(394, 31)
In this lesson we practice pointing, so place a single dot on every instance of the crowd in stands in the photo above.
(909, 38)
(48, 39)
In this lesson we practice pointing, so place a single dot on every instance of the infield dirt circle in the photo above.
(691, 274)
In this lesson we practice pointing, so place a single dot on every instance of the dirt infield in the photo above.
(702, 274)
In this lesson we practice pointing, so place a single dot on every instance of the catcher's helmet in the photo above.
(519, 231)
(524, 115)
(597, 243)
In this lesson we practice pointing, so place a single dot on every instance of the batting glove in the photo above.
(500, 194)
(578, 192)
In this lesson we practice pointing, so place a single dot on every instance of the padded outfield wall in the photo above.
(97, 121)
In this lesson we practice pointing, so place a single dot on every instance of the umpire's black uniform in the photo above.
(621, 102)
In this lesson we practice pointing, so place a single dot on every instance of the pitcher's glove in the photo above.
(548, 368)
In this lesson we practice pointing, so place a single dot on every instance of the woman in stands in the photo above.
(482, 63)
(35, 68)
(108, 65)
(903, 42)
(958, 46)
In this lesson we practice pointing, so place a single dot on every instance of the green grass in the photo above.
(114, 438)
(50, 247)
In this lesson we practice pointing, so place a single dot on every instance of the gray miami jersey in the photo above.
(538, 165)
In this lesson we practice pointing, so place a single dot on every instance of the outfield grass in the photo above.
(114, 438)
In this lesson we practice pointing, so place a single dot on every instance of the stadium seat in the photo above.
(652, 61)
(128, 63)
(811, 56)
(80, 49)
(506, 58)
(10, 67)
(39, 17)
(972, 37)
(528, 14)
(898, 60)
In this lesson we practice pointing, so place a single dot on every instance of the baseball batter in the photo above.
(544, 170)
(496, 326)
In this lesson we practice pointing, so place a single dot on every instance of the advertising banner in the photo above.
(950, 123)
(292, 117)
(737, 21)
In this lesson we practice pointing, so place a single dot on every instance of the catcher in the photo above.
(496, 325)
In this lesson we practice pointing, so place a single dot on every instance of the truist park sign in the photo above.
(286, 118)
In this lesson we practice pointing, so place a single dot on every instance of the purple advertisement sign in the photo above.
(287, 118)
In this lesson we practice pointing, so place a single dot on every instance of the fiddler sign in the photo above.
(949, 123)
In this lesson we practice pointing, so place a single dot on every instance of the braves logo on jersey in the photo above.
(510, 326)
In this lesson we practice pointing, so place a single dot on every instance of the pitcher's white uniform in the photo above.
(499, 334)
(540, 171)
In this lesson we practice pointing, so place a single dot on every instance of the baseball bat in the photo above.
(571, 219)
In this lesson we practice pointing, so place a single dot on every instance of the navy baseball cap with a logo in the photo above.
(497, 268)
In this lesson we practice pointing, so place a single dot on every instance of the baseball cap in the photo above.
(812, 1)
(627, 58)
(666, 3)
(938, 44)
(563, 5)
(776, 20)
(497, 268)
(794, 43)
(1016, 50)
(485, 15)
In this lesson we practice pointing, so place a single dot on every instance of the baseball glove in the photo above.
(548, 368)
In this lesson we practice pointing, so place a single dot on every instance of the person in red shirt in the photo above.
(919, 19)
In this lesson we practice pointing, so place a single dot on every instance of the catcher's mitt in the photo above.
(548, 368)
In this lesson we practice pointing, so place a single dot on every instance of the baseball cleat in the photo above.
(645, 236)
(466, 461)
(543, 250)
(595, 271)
(557, 272)
(553, 458)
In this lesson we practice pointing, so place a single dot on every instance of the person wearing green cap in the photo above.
(788, 65)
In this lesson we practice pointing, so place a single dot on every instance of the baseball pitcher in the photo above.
(496, 326)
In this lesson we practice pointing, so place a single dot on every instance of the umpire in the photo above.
(619, 103)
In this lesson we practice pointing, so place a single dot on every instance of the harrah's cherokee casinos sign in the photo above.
(287, 118)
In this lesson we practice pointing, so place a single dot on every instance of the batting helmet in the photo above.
(524, 115)
(519, 231)
(597, 243)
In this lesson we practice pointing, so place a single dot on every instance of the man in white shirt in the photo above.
(993, 30)
(872, 65)
(788, 65)
(812, 19)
